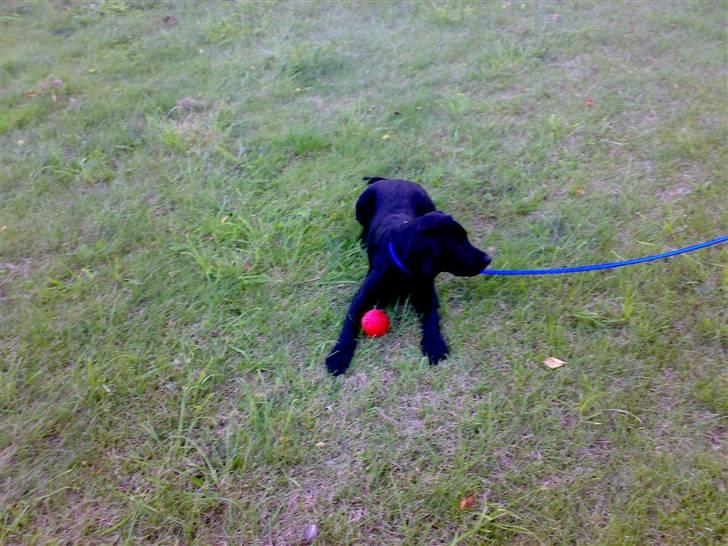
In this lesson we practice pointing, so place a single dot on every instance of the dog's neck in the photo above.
(394, 255)
(395, 259)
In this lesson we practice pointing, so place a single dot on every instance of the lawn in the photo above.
(178, 249)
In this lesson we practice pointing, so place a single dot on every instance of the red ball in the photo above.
(375, 323)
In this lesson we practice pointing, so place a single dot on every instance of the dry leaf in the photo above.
(552, 362)
(385, 137)
(31, 93)
(467, 502)
(320, 444)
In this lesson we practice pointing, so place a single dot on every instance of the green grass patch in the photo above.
(178, 248)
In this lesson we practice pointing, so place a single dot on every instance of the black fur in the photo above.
(426, 241)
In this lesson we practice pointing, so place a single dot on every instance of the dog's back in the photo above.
(386, 196)
(373, 179)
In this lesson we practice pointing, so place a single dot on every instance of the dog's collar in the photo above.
(396, 260)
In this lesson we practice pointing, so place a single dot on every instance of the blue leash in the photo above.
(612, 265)
(396, 261)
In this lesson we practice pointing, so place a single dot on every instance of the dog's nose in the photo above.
(486, 260)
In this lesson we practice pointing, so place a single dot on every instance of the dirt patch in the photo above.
(9, 269)
(336, 476)
(576, 68)
(91, 517)
(555, 481)
(326, 107)
(666, 403)
(190, 104)
(316, 490)
(9, 273)
(717, 438)
(598, 452)
(648, 120)
(356, 382)
(691, 175)
(676, 192)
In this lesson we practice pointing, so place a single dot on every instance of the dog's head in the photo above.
(440, 244)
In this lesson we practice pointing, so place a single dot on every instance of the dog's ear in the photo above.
(365, 206)
(439, 224)
(426, 244)
(433, 221)
(373, 179)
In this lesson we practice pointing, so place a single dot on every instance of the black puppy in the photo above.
(408, 243)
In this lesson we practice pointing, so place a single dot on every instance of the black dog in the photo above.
(408, 243)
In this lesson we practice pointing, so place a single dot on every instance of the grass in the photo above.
(178, 250)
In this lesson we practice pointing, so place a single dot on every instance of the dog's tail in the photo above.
(373, 179)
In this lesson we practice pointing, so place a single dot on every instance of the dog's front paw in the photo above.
(435, 350)
(339, 359)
